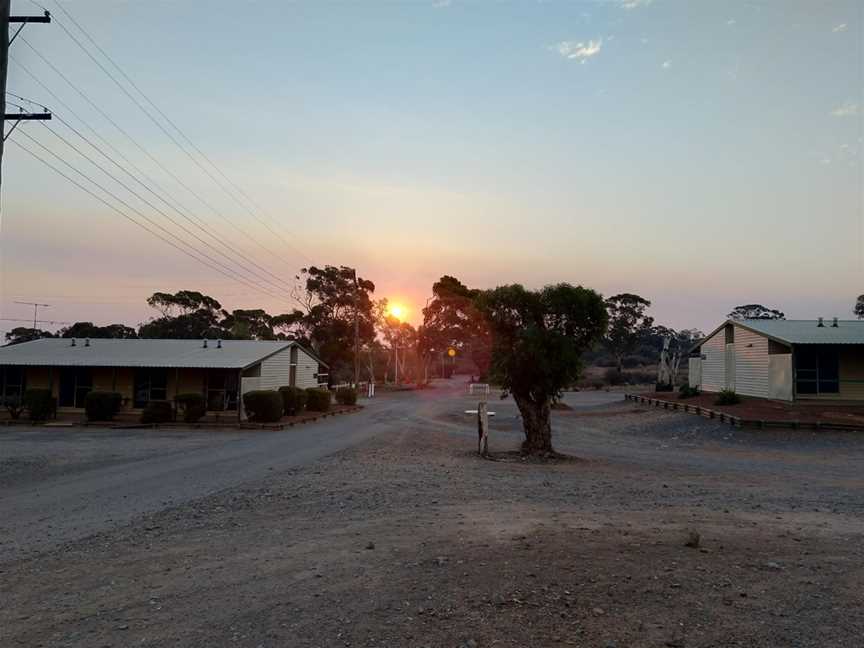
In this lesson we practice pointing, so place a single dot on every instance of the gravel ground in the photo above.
(408, 539)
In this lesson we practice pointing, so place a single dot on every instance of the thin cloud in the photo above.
(635, 4)
(840, 28)
(846, 109)
(441, 4)
(580, 51)
(731, 21)
(666, 65)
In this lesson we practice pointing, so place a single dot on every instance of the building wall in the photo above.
(276, 372)
(714, 362)
(694, 372)
(120, 379)
(307, 370)
(751, 363)
(780, 383)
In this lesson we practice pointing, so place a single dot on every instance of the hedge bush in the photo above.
(192, 406)
(102, 405)
(317, 400)
(293, 400)
(263, 405)
(40, 404)
(158, 411)
(727, 397)
(346, 396)
(686, 391)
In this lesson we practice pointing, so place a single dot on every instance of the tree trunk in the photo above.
(536, 424)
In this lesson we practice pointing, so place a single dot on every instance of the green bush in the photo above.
(346, 396)
(293, 400)
(192, 406)
(686, 391)
(158, 411)
(14, 406)
(727, 397)
(263, 405)
(40, 403)
(102, 405)
(317, 400)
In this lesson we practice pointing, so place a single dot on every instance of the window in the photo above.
(221, 391)
(150, 385)
(75, 384)
(11, 384)
(817, 370)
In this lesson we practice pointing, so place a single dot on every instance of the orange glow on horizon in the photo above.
(398, 311)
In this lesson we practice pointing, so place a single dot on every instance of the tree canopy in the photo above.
(538, 338)
(755, 311)
(451, 319)
(859, 307)
(628, 323)
(21, 334)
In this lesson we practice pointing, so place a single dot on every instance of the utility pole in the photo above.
(356, 331)
(35, 306)
(5, 21)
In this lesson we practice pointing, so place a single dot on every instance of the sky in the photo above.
(700, 154)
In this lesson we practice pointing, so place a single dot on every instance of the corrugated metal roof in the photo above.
(808, 331)
(59, 352)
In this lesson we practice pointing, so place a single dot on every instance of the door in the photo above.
(730, 367)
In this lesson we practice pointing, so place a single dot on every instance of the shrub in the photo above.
(346, 396)
(727, 397)
(158, 411)
(597, 385)
(613, 377)
(40, 403)
(14, 406)
(192, 406)
(263, 405)
(317, 400)
(293, 400)
(686, 391)
(102, 405)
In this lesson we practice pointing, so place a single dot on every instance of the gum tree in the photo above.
(538, 338)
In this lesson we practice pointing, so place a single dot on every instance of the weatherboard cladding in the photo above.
(233, 354)
(714, 362)
(751, 363)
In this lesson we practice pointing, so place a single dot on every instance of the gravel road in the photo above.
(403, 537)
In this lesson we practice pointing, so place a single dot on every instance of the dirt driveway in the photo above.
(409, 540)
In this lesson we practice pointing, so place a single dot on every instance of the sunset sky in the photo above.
(701, 154)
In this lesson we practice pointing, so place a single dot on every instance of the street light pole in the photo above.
(356, 333)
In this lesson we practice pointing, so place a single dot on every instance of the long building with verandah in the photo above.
(148, 370)
(782, 359)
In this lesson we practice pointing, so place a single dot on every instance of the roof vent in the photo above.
(86, 341)
(204, 346)
(73, 342)
(218, 344)
(835, 323)
(821, 322)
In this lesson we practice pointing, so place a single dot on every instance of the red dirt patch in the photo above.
(763, 409)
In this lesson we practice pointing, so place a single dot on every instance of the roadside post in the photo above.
(483, 415)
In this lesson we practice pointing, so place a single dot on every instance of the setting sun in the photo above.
(397, 311)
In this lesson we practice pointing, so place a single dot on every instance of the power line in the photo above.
(170, 206)
(156, 121)
(148, 203)
(141, 148)
(130, 218)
